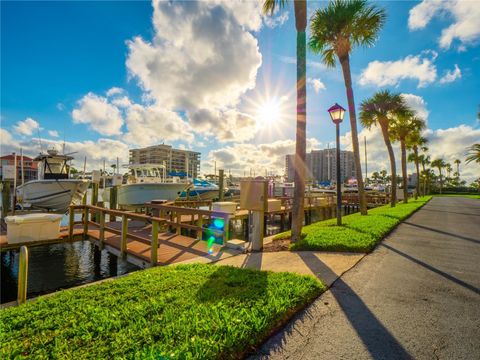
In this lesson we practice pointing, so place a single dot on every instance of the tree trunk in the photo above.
(441, 179)
(393, 166)
(417, 165)
(300, 144)
(345, 62)
(424, 180)
(404, 170)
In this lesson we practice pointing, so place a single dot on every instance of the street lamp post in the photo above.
(336, 113)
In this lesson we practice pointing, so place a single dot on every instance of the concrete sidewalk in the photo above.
(416, 296)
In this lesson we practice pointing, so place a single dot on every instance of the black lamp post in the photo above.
(336, 113)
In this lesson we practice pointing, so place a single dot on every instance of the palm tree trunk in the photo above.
(393, 167)
(441, 179)
(417, 166)
(300, 144)
(347, 76)
(424, 179)
(404, 170)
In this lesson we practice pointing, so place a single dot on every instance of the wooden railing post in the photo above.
(200, 224)
(85, 221)
(22, 276)
(179, 221)
(102, 229)
(226, 229)
(123, 240)
(154, 246)
(71, 221)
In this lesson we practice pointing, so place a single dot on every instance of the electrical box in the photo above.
(254, 195)
(117, 179)
(95, 176)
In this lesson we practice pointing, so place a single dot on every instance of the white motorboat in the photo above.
(54, 190)
(202, 190)
(147, 182)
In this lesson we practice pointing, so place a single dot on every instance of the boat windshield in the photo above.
(55, 169)
(147, 172)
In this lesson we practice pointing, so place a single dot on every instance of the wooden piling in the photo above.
(94, 200)
(221, 179)
(200, 224)
(113, 201)
(71, 222)
(85, 222)
(123, 240)
(22, 276)
(5, 198)
(154, 246)
(101, 234)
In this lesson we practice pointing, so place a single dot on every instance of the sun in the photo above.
(268, 113)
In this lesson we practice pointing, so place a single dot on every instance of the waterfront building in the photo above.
(30, 168)
(175, 160)
(322, 166)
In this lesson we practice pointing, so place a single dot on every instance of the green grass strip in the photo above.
(358, 233)
(183, 312)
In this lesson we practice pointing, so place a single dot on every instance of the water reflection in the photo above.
(59, 266)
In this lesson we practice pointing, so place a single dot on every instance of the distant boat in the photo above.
(147, 182)
(54, 190)
(202, 190)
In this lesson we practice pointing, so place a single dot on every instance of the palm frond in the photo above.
(269, 6)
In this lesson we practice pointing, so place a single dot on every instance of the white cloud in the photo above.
(26, 127)
(99, 114)
(242, 157)
(53, 133)
(451, 75)
(122, 102)
(148, 125)
(317, 84)
(60, 106)
(114, 91)
(201, 57)
(390, 73)
(418, 104)
(464, 15)
(275, 21)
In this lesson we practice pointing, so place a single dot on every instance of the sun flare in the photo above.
(268, 113)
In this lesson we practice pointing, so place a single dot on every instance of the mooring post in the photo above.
(102, 229)
(153, 255)
(123, 241)
(221, 179)
(226, 229)
(179, 220)
(200, 225)
(22, 276)
(95, 200)
(85, 221)
(71, 222)
(113, 201)
(5, 198)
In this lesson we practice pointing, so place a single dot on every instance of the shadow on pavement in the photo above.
(442, 232)
(435, 270)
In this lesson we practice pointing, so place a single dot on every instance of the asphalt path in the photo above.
(416, 296)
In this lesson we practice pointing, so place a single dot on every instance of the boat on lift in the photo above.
(147, 182)
(54, 190)
(201, 190)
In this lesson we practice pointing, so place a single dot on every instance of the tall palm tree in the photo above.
(439, 164)
(424, 160)
(335, 29)
(380, 110)
(404, 126)
(473, 154)
(457, 162)
(300, 8)
(414, 140)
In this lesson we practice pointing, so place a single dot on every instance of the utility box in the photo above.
(32, 227)
(117, 179)
(254, 195)
(225, 206)
(96, 176)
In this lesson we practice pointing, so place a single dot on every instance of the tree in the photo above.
(439, 164)
(473, 154)
(424, 160)
(414, 140)
(300, 8)
(335, 29)
(404, 126)
(380, 110)
(457, 162)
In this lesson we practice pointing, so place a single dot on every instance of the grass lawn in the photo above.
(186, 311)
(358, 233)
(470, 196)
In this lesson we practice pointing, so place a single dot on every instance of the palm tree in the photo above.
(380, 110)
(439, 164)
(473, 154)
(335, 29)
(300, 7)
(404, 126)
(458, 162)
(424, 160)
(414, 140)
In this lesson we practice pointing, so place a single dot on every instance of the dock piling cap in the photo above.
(33, 218)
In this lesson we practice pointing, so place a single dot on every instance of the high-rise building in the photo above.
(175, 160)
(322, 165)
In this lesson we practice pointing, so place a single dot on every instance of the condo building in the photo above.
(322, 166)
(175, 160)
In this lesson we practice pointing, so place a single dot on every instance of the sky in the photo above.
(219, 77)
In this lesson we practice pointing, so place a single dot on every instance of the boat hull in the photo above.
(200, 194)
(135, 195)
(52, 195)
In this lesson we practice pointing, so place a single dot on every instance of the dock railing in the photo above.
(169, 218)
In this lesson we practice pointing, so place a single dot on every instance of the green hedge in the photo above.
(358, 233)
(187, 311)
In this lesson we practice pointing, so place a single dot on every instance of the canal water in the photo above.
(59, 266)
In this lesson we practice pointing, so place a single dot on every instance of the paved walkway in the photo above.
(416, 296)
